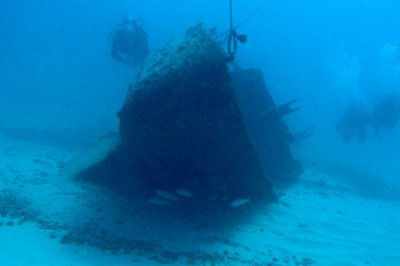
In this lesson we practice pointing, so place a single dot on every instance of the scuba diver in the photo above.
(129, 43)
(354, 123)
(356, 120)
(386, 114)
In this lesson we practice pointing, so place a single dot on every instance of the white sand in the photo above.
(320, 219)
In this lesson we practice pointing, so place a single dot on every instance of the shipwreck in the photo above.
(195, 133)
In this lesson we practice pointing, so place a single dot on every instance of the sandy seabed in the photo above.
(48, 219)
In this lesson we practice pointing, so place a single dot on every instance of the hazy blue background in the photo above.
(56, 71)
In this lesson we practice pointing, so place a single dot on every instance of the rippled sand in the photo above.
(47, 219)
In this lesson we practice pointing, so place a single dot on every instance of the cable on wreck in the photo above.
(233, 37)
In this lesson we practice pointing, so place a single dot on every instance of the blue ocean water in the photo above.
(60, 90)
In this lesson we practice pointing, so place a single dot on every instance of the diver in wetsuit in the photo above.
(129, 43)
(386, 114)
(354, 123)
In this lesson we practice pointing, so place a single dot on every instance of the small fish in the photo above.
(166, 195)
(239, 202)
(159, 202)
(184, 193)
